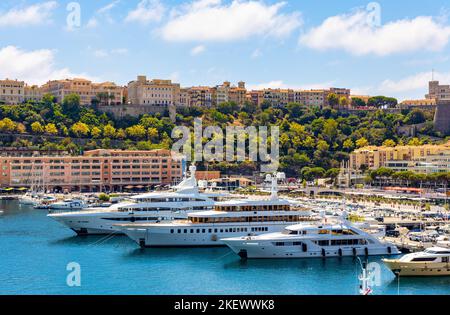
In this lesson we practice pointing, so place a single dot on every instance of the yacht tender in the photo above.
(433, 261)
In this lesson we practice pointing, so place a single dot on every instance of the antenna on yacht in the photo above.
(192, 170)
(364, 278)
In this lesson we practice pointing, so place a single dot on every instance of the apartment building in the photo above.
(12, 91)
(374, 157)
(154, 92)
(277, 97)
(104, 93)
(228, 93)
(255, 96)
(201, 96)
(96, 170)
(32, 93)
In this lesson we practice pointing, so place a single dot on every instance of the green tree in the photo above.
(80, 129)
(37, 128)
(362, 142)
(51, 129)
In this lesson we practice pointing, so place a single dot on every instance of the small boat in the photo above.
(433, 261)
(443, 241)
(68, 205)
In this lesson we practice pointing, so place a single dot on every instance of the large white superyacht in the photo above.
(149, 207)
(228, 219)
(309, 240)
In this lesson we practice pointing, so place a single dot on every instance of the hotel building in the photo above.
(96, 170)
(374, 157)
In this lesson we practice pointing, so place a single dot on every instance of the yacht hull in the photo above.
(98, 223)
(206, 235)
(266, 250)
(417, 269)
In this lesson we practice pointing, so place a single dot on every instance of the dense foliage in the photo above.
(313, 141)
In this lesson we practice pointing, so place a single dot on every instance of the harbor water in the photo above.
(35, 252)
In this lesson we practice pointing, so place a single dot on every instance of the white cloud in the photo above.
(34, 67)
(211, 20)
(92, 23)
(146, 11)
(197, 50)
(418, 81)
(256, 53)
(352, 33)
(104, 53)
(35, 14)
(279, 84)
(108, 7)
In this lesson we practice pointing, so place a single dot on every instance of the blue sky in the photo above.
(388, 48)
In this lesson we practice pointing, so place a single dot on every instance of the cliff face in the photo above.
(442, 117)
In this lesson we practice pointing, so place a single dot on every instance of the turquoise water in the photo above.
(35, 251)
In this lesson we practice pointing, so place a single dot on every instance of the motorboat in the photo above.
(433, 261)
(312, 240)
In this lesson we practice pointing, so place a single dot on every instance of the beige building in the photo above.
(12, 91)
(438, 92)
(228, 93)
(105, 93)
(32, 93)
(421, 104)
(374, 157)
(96, 170)
(201, 96)
(155, 92)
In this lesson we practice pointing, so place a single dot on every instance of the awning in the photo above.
(139, 186)
(129, 187)
(22, 188)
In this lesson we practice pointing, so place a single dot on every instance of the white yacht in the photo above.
(309, 240)
(67, 205)
(149, 207)
(228, 219)
(433, 261)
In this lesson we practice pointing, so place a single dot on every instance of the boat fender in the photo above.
(340, 252)
(354, 251)
(323, 252)
(366, 251)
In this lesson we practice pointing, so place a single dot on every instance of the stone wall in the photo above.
(120, 111)
(442, 117)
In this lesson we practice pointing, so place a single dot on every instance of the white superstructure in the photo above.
(149, 207)
(324, 239)
(433, 261)
(228, 219)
